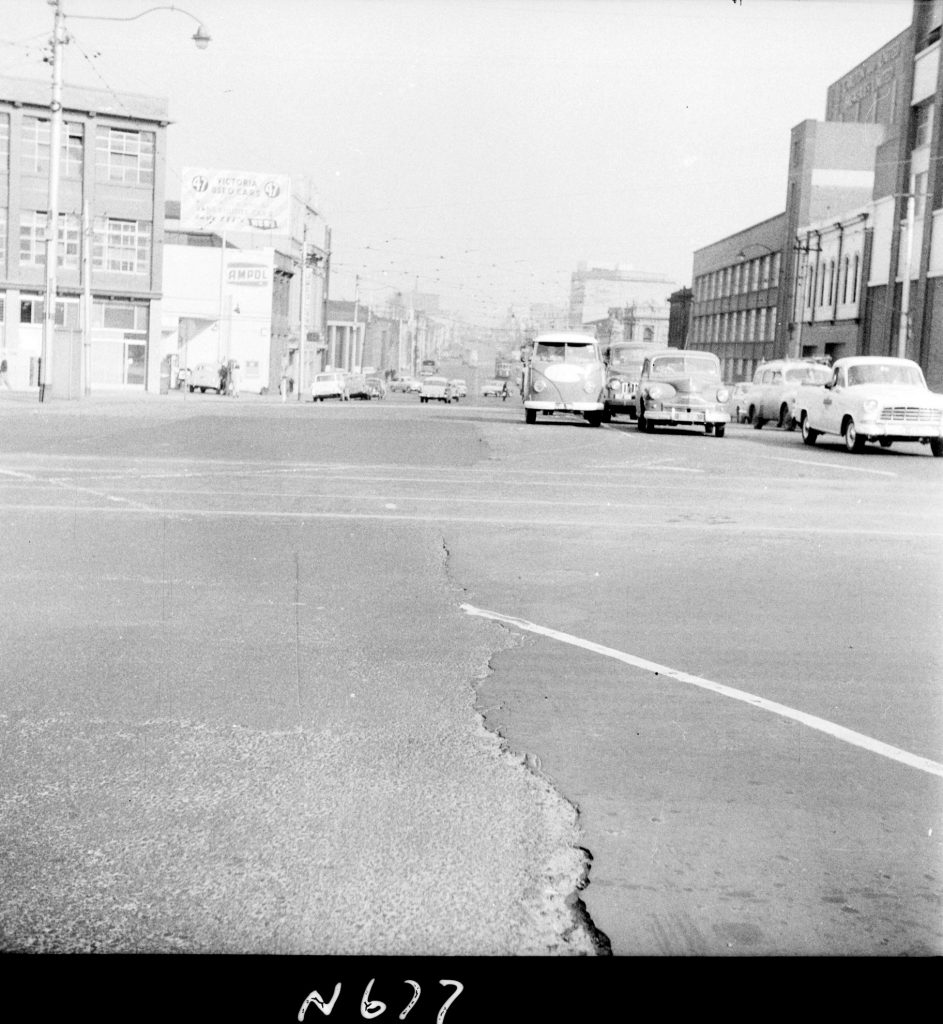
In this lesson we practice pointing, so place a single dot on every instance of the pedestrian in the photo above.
(223, 378)
(3, 375)
(283, 387)
(234, 375)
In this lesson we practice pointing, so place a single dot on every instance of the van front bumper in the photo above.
(563, 406)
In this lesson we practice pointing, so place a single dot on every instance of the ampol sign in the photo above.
(214, 200)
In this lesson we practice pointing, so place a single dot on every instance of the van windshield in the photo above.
(558, 352)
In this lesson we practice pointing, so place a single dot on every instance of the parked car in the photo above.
(357, 387)
(564, 372)
(459, 388)
(492, 388)
(377, 387)
(435, 388)
(405, 384)
(623, 368)
(736, 404)
(682, 388)
(332, 384)
(205, 377)
(872, 398)
(772, 394)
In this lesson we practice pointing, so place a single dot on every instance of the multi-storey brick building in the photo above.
(111, 202)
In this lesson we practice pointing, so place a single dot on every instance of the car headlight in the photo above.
(539, 385)
(590, 386)
(870, 407)
(722, 395)
(659, 392)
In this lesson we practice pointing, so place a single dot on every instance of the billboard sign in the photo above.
(231, 201)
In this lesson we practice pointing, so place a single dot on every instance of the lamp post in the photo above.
(59, 39)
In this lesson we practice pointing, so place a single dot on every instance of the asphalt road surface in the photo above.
(398, 678)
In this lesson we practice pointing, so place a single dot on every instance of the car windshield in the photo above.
(626, 362)
(686, 365)
(558, 352)
(884, 373)
(811, 374)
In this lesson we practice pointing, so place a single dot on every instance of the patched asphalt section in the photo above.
(281, 755)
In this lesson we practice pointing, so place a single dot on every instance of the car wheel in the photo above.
(936, 446)
(607, 416)
(853, 440)
(530, 415)
(755, 419)
(808, 434)
(785, 420)
(594, 418)
(708, 428)
(720, 430)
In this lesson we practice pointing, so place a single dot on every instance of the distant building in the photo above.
(679, 316)
(735, 298)
(844, 246)
(640, 299)
(111, 204)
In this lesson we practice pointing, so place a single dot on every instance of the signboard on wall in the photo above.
(233, 201)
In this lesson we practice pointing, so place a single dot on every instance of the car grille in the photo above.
(909, 414)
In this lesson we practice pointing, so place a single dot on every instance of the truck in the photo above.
(872, 399)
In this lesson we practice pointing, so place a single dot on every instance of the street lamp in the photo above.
(59, 39)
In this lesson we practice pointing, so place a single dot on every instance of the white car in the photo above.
(772, 395)
(332, 384)
(872, 398)
(435, 389)
(205, 377)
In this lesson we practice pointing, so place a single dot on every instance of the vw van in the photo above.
(564, 372)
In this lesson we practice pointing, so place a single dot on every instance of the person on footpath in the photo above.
(234, 379)
(3, 375)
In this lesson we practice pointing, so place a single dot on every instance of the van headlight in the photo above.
(590, 386)
(722, 395)
(539, 385)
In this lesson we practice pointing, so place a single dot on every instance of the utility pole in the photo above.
(905, 295)
(302, 326)
(358, 348)
(327, 278)
(59, 39)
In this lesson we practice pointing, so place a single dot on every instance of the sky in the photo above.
(481, 149)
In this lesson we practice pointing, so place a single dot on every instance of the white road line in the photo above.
(812, 721)
(833, 465)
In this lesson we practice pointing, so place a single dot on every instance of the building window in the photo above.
(35, 138)
(751, 325)
(124, 156)
(3, 237)
(854, 281)
(33, 239)
(764, 272)
(774, 273)
(920, 194)
(844, 289)
(923, 125)
(121, 246)
(67, 311)
(831, 281)
(4, 144)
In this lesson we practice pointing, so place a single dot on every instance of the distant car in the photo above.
(205, 377)
(377, 387)
(623, 361)
(872, 398)
(332, 384)
(736, 406)
(682, 387)
(492, 387)
(435, 389)
(459, 388)
(772, 394)
(357, 387)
